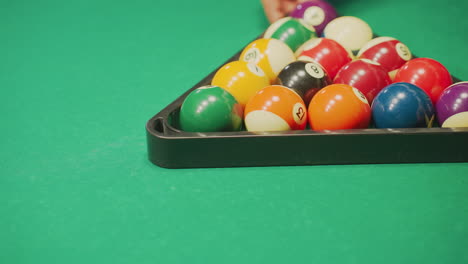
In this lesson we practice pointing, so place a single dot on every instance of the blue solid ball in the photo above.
(402, 105)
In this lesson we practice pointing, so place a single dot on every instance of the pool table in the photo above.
(79, 80)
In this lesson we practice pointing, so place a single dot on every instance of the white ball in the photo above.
(351, 32)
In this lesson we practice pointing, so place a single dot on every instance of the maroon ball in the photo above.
(317, 13)
(365, 75)
(452, 101)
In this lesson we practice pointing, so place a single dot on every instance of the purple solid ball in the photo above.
(317, 13)
(453, 100)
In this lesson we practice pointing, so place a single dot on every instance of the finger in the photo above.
(272, 10)
(288, 6)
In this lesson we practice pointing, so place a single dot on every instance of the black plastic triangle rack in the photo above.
(170, 147)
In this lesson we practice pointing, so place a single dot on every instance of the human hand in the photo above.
(276, 9)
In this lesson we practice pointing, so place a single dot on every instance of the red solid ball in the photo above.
(326, 52)
(428, 74)
(365, 75)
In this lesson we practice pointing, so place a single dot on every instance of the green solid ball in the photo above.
(210, 109)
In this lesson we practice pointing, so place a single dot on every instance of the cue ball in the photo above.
(271, 55)
(428, 74)
(317, 13)
(305, 78)
(402, 105)
(275, 108)
(210, 109)
(452, 106)
(241, 79)
(294, 32)
(339, 106)
(366, 76)
(349, 31)
(327, 52)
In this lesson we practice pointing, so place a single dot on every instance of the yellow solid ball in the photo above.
(241, 79)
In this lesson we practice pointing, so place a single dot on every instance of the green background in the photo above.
(78, 81)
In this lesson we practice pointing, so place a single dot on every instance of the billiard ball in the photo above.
(428, 74)
(210, 109)
(365, 75)
(327, 52)
(402, 105)
(388, 52)
(271, 55)
(293, 32)
(275, 108)
(305, 78)
(339, 106)
(457, 120)
(351, 32)
(317, 13)
(241, 79)
(452, 106)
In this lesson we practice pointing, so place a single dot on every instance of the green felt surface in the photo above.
(78, 81)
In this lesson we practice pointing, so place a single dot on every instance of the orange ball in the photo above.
(339, 106)
(275, 108)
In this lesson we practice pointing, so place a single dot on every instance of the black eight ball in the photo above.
(305, 78)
